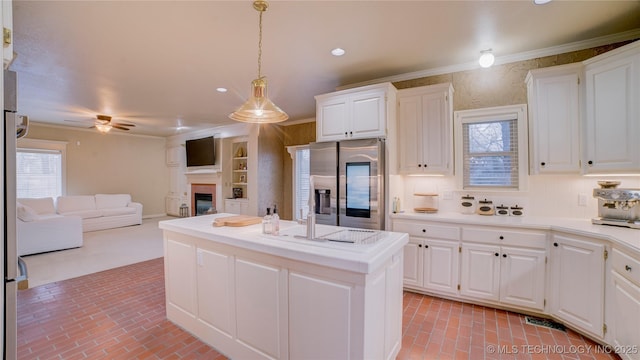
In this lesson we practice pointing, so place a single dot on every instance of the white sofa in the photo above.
(39, 229)
(101, 211)
(43, 227)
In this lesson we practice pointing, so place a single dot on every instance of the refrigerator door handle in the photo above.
(24, 275)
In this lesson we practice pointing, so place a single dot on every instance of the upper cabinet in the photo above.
(554, 119)
(355, 113)
(425, 117)
(7, 32)
(612, 123)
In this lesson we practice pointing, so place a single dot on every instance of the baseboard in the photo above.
(151, 216)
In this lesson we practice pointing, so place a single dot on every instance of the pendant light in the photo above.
(258, 108)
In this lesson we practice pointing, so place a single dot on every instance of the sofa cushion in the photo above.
(67, 204)
(85, 214)
(111, 201)
(41, 206)
(26, 213)
(118, 211)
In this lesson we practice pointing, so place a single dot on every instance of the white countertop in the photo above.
(626, 237)
(361, 258)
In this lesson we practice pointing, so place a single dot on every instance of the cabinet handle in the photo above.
(555, 244)
(350, 133)
(496, 254)
(419, 165)
(504, 255)
(419, 245)
(424, 230)
(426, 246)
(346, 134)
(543, 163)
(627, 267)
(501, 237)
(590, 162)
(425, 165)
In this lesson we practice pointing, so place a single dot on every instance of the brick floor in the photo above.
(120, 314)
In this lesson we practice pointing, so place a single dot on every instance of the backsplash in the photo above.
(547, 195)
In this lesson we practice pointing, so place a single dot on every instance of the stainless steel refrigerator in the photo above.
(348, 180)
(14, 269)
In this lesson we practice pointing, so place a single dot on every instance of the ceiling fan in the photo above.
(104, 124)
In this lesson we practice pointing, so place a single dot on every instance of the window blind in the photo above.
(38, 173)
(490, 154)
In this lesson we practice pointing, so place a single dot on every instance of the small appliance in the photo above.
(619, 207)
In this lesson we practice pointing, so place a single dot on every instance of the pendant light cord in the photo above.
(260, 48)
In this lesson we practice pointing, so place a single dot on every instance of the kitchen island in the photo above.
(257, 296)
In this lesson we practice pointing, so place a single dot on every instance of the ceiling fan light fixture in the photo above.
(258, 108)
(486, 58)
(103, 128)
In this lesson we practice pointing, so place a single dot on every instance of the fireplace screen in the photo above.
(204, 203)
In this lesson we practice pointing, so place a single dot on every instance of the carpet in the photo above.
(102, 250)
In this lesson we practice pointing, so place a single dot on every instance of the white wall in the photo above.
(548, 195)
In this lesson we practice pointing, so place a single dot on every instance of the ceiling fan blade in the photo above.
(120, 127)
(123, 124)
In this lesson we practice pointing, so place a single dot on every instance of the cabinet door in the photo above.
(436, 135)
(480, 271)
(522, 277)
(555, 114)
(577, 282)
(441, 266)
(332, 115)
(413, 263)
(613, 115)
(215, 303)
(626, 315)
(368, 114)
(319, 304)
(181, 280)
(172, 205)
(410, 133)
(259, 322)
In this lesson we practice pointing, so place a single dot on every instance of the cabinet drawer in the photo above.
(427, 230)
(532, 239)
(626, 266)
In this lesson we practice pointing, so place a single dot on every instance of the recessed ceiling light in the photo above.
(221, 90)
(541, 2)
(337, 52)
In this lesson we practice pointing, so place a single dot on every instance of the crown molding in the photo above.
(527, 55)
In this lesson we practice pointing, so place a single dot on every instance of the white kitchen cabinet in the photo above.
(175, 155)
(181, 280)
(355, 113)
(7, 24)
(236, 206)
(177, 189)
(172, 205)
(506, 266)
(554, 118)
(215, 292)
(431, 258)
(612, 122)
(623, 313)
(577, 282)
(425, 118)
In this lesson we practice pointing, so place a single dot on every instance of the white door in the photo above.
(480, 271)
(522, 277)
(577, 282)
(441, 266)
(413, 263)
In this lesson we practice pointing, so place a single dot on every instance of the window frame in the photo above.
(293, 151)
(25, 144)
(498, 113)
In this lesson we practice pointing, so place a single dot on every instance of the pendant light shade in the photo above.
(258, 108)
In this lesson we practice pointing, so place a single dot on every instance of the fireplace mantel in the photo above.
(209, 178)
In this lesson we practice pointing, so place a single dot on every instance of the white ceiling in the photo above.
(157, 63)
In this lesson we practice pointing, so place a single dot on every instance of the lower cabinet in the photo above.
(250, 305)
(623, 317)
(577, 282)
(236, 206)
(440, 268)
(509, 275)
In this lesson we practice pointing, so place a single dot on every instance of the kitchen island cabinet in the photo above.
(259, 296)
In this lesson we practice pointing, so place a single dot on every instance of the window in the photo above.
(300, 156)
(491, 148)
(40, 169)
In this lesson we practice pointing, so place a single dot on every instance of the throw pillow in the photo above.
(25, 213)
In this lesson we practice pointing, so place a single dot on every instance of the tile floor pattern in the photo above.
(120, 314)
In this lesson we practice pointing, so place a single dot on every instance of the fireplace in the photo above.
(203, 199)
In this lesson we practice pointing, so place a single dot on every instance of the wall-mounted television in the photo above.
(201, 152)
